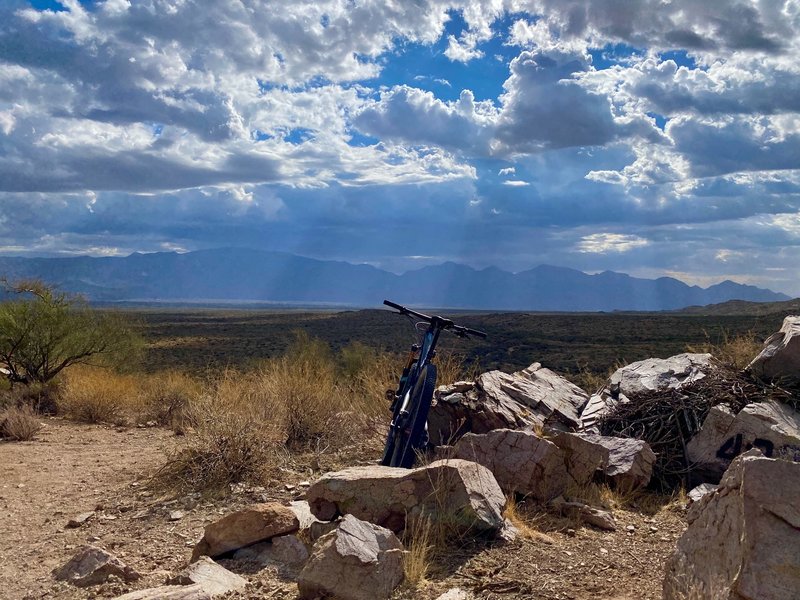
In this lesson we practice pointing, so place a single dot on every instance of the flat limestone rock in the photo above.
(630, 461)
(169, 592)
(533, 397)
(520, 461)
(659, 374)
(743, 540)
(92, 565)
(455, 413)
(248, 526)
(772, 427)
(386, 496)
(356, 561)
(212, 577)
(780, 357)
(698, 492)
(554, 400)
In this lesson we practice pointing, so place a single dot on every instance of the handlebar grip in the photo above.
(395, 306)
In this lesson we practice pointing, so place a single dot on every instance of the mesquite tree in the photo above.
(43, 331)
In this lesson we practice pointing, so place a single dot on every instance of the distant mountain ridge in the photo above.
(242, 275)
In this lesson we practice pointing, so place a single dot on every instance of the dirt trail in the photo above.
(69, 469)
(72, 469)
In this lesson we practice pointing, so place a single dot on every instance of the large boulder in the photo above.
(462, 407)
(464, 493)
(92, 565)
(643, 378)
(630, 461)
(356, 561)
(521, 461)
(780, 357)
(743, 540)
(582, 457)
(533, 397)
(253, 524)
(771, 426)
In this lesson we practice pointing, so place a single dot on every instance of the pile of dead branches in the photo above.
(668, 419)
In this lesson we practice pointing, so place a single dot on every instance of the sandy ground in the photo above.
(72, 469)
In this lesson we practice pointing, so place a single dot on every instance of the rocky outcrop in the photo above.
(92, 565)
(214, 579)
(780, 357)
(253, 524)
(770, 426)
(643, 378)
(520, 461)
(743, 540)
(356, 561)
(463, 492)
(630, 462)
(532, 397)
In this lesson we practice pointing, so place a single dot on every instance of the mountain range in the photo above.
(242, 275)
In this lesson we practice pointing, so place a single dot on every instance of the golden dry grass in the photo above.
(527, 524)
(418, 558)
(96, 395)
(308, 405)
(735, 352)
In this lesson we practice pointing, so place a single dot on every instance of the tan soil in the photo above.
(71, 469)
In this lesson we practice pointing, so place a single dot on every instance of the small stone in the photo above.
(653, 529)
(92, 565)
(176, 515)
(571, 532)
(304, 484)
(79, 520)
(214, 578)
(603, 551)
(289, 487)
(630, 528)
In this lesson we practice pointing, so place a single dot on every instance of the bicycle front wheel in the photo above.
(409, 436)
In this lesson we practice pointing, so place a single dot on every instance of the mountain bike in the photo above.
(408, 432)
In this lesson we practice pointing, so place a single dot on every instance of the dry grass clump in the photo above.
(308, 403)
(735, 352)
(19, 423)
(166, 398)
(96, 395)
(235, 439)
(526, 524)
(418, 558)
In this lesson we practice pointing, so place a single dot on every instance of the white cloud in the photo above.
(507, 171)
(603, 243)
(516, 183)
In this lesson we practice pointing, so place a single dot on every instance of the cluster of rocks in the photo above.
(535, 434)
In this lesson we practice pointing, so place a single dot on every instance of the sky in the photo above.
(652, 137)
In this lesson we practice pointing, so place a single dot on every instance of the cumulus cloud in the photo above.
(159, 123)
(602, 243)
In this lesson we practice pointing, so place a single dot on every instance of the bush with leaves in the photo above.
(44, 331)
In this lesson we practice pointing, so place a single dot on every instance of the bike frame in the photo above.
(424, 357)
(409, 425)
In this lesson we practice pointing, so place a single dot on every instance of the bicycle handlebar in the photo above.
(459, 330)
